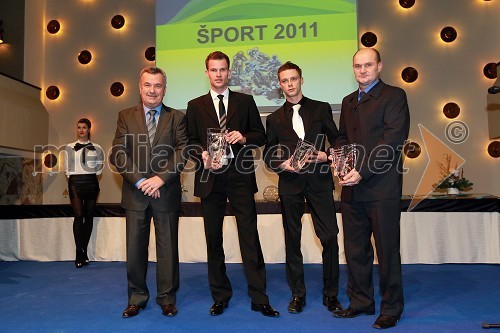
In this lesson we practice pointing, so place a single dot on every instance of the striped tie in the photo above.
(222, 113)
(151, 125)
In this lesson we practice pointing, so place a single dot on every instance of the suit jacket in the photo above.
(135, 158)
(242, 116)
(379, 125)
(318, 125)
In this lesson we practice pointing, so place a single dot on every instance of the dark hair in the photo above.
(217, 55)
(289, 65)
(154, 70)
(86, 122)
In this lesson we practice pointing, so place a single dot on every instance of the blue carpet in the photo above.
(56, 297)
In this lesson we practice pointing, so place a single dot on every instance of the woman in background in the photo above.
(84, 162)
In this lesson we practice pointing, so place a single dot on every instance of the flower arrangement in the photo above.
(452, 178)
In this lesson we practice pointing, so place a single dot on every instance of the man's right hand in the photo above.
(208, 162)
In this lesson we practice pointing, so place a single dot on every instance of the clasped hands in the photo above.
(315, 157)
(151, 186)
(350, 179)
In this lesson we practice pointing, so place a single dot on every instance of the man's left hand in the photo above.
(151, 186)
(235, 137)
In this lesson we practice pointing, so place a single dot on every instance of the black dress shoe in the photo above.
(218, 308)
(266, 309)
(296, 304)
(85, 258)
(351, 313)
(385, 321)
(332, 303)
(78, 259)
(78, 263)
(131, 310)
(169, 310)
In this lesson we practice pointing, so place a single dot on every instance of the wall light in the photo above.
(490, 70)
(409, 74)
(117, 21)
(406, 3)
(412, 149)
(369, 39)
(53, 26)
(50, 160)
(117, 89)
(150, 53)
(1, 32)
(494, 149)
(448, 34)
(52, 92)
(451, 110)
(84, 57)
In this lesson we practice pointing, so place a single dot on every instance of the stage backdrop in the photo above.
(258, 36)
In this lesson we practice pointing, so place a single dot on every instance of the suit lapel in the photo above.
(287, 125)
(140, 117)
(232, 105)
(208, 104)
(163, 121)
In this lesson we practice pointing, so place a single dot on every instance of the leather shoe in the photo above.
(218, 308)
(385, 321)
(351, 313)
(296, 304)
(332, 303)
(266, 309)
(131, 310)
(169, 310)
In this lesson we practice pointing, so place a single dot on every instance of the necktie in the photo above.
(151, 125)
(222, 113)
(361, 94)
(298, 125)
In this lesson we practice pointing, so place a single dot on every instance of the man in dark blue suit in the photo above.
(375, 118)
(312, 121)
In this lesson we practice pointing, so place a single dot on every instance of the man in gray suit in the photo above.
(147, 152)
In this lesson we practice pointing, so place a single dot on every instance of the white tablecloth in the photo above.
(430, 238)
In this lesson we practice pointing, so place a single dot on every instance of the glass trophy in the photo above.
(216, 144)
(301, 154)
(344, 159)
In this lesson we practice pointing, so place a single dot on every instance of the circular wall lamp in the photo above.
(448, 34)
(494, 149)
(406, 3)
(490, 70)
(52, 92)
(50, 160)
(117, 89)
(412, 149)
(369, 39)
(150, 53)
(409, 74)
(53, 26)
(451, 110)
(117, 21)
(84, 57)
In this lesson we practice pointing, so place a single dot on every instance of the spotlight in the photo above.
(412, 149)
(84, 57)
(52, 92)
(117, 21)
(53, 26)
(50, 160)
(448, 34)
(369, 39)
(150, 53)
(451, 110)
(117, 89)
(490, 70)
(493, 90)
(406, 3)
(409, 74)
(494, 149)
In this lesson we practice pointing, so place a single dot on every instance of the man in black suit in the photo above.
(147, 152)
(375, 118)
(312, 121)
(233, 179)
